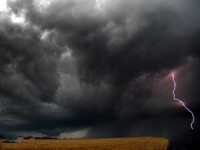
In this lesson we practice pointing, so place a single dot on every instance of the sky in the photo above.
(86, 68)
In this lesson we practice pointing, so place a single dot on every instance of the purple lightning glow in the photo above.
(181, 102)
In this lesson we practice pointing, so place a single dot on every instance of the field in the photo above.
(90, 144)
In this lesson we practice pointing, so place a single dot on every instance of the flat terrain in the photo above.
(90, 144)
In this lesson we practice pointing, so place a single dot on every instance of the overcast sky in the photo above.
(86, 68)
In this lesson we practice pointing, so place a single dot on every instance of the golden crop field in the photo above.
(90, 144)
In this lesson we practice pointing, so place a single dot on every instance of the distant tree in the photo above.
(28, 137)
(46, 137)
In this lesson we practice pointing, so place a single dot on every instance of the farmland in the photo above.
(90, 144)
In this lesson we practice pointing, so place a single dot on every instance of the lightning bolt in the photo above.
(181, 102)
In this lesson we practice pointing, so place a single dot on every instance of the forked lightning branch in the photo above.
(180, 101)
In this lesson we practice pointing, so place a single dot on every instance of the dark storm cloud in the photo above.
(100, 67)
(105, 45)
(29, 75)
(23, 55)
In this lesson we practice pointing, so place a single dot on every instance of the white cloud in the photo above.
(74, 134)
(99, 4)
(3, 5)
(18, 19)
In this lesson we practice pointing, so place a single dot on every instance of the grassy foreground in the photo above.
(90, 144)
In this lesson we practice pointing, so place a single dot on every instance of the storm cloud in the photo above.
(72, 66)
